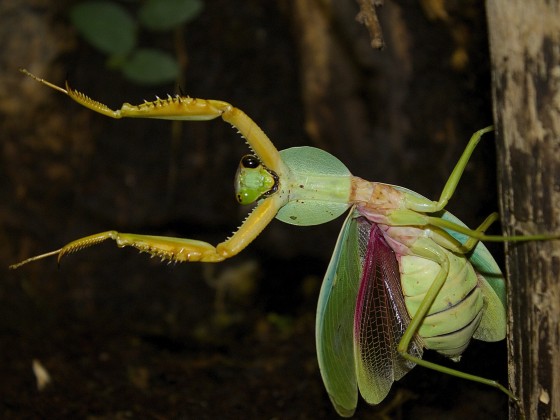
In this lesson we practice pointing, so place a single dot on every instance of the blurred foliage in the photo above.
(113, 30)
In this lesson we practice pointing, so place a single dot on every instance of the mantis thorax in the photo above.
(317, 186)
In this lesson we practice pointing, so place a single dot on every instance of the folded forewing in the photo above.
(335, 320)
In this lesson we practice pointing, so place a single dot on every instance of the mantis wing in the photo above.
(361, 318)
(335, 320)
(381, 319)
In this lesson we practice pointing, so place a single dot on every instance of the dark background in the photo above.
(125, 336)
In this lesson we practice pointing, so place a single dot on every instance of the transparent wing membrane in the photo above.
(381, 317)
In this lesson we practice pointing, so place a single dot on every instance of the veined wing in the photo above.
(335, 320)
(381, 317)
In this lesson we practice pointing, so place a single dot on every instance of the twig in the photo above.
(368, 17)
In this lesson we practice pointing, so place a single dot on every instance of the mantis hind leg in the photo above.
(427, 249)
(409, 217)
(479, 235)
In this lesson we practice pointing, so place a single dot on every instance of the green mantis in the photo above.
(405, 275)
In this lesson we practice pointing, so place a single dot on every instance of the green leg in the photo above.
(428, 206)
(427, 249)
(479, 235)
(407, 217)
(447, 241)
(471, 242)
(415, 206)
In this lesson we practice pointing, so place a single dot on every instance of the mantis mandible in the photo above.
(406, 275)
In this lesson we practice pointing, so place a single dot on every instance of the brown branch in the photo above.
(368, 17)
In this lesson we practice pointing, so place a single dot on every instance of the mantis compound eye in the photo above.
(250, 161)
(253, 180)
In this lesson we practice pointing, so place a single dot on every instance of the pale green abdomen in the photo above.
(457, 310)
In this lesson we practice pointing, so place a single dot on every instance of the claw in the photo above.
(35, 258)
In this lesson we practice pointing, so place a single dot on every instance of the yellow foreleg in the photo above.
(178, 249)
(185, 108)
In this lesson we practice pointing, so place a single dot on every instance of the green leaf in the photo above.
(163, 15)
(105, 25)
(151, 67)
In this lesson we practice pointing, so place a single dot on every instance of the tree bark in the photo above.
(525, 55)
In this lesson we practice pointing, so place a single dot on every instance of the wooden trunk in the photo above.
(525, 55)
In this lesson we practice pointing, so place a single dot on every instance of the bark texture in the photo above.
(525, 56)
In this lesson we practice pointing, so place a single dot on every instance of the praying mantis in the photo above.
(406, 275)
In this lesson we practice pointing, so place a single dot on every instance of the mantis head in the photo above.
(253, 180)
